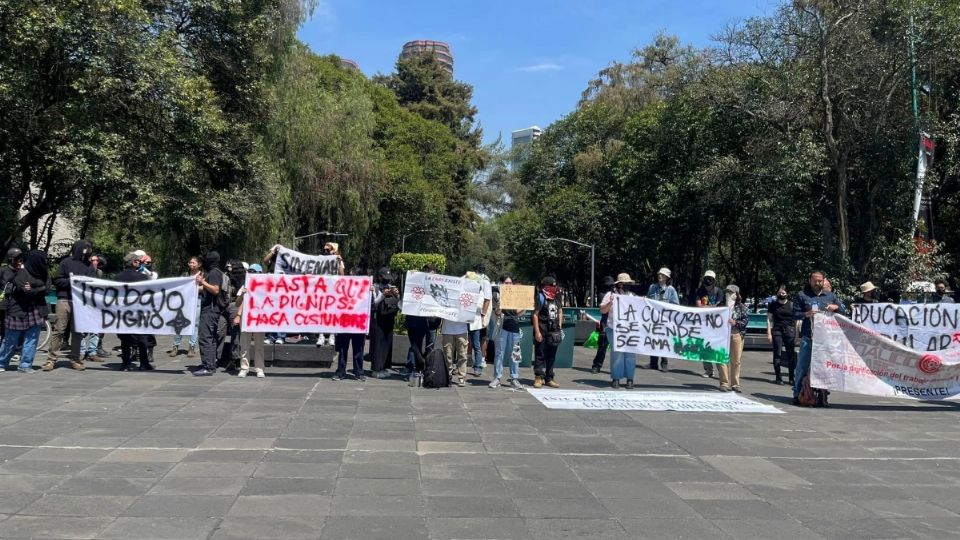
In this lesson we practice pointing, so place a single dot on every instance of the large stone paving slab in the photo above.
(104, 454)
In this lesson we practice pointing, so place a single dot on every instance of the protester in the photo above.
(270, 262)
(663, 291)
(547, 332)
(828, 287)
(211, 302)
(386, 300)
(421, 333)
(77, 264)
(782, 333)
(26, 311)
(9, 270)
(709, 295)
(812, 300)
(478, 329)
(248, 338)
(194, 268)
(730, 372)
(602, 341)
(868, 294)
(344, 342)
(455, 345)
(132, 273)
(941, 296)
(91, 348)
(623, 365)
(508, 339)
(229, 355)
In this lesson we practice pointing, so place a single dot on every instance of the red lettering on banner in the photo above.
(255, 284)
(308, 303)
(320, 285)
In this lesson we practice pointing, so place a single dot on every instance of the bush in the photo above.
(401, 263)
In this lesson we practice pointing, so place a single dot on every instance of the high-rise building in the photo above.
(438, 49)
(349, 64)
(521, 138)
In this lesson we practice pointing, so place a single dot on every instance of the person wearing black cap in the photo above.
(7, 272)
(547, 332)
(128, 342)
(386, 305)
(26, 310)
(602, 343)
(211, 306)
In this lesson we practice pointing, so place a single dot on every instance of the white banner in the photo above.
(447, 297)
(849, 357)
(650, 327)
(158, 307)
(921, 327)
(608, 400)
(293, 262)
(306, 303)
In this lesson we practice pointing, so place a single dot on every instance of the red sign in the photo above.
(306, 303)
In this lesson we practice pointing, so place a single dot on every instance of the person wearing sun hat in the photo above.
(868, 294)
(664, 292)
(622, 365)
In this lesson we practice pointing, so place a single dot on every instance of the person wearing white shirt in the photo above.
(622, 364)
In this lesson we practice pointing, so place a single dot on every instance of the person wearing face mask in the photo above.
(386, 305)
(77, 264)
(212, 302)
(622, 365)
(663, 292)
(782, 333)
(26, 310)
(602, 343)
(332, 248)
(812, 300)
(730, 372)
(868, 294)
(941, 296)
(709, 295)
(7, 273)
(547, 332)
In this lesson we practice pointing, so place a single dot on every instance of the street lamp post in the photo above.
(593, 290)
(323, 233)
(403, 240)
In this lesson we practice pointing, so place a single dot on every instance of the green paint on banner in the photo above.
(697, 349)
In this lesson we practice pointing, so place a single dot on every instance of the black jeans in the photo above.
(129, 342)
(381, 343)
(419, 339)
(209, 337)
(656, 362)
(602, 345)
(343, 342)
(784, 353)
(545, 357)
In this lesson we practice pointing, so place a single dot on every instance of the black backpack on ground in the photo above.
(436, 373)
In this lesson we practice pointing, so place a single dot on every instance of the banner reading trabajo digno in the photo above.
(306, 303)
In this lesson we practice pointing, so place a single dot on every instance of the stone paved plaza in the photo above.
(104, 454)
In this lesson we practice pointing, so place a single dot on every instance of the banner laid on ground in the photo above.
(921, 327)
(517, 297)
(608, 400)
(644, 326)
(447, 297)
(158, 307)
(294, 262)
(850, 357)
(306, 303)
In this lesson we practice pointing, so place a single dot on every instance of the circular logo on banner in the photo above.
(466, 300)
(418, 292)
(929, 364)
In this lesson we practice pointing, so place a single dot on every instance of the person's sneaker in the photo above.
(706, 375)
(2, 369)
(538, 382)
(383, 374)
(725, 389)
(278, 341)
(515, 384)
(146, 367)
(102, 353)
(663, 367)
(77, 365)
(92, 358)
(737, 390)
(461, 383)
(629, 384)
(243, 373)
(190, 352)
(778, 382)
(615, 383)
(48, 365)
(321, 342)
(477, 372)
(125, 367)
(594, 370)
(259, 373)
(494, 383)
(203, 372)
(361, 378)
(268, 341)
(174, 351)
(336, 377)
(23, 369)
(553, 384)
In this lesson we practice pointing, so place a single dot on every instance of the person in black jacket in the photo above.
(602, 342)
(211, 302)
(77, 264)
(26, 311)
(132, 274)
(7, 272)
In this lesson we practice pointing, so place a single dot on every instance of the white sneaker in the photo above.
(267, 342)
(243, 373)
(278, 341)
(259, 373)
(494, 383)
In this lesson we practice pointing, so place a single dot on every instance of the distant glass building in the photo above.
(521, 138)
(347, 63)
(439, 50)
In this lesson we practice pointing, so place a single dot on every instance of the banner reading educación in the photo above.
(921, 327)
(157, 307)
(447, 297)
(645, 326)
(849, 357)
(306, 303)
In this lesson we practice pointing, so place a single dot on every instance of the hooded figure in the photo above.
(27, 311)
(77, 264)
(211, 261)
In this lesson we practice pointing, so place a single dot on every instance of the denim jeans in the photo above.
(177, 339)
(12, 338)
(90, 345)
(505, 343)
(622, 365)
(477, 353)
(803, 364)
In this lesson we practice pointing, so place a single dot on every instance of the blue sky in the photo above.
(528, 61)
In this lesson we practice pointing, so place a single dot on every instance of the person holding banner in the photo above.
(812, 300)
(941, 296)
(211, 304)
(664, 292)
(131, 274)
(332, 248)
(194, 267)
(730, 372)
(248, 338)
(421, 332)
(343, 343)
(508, 339)
(603, 342)
(782, 334)
(547, 332)
(386, 299)
(709, 295)
(623, 365)
(478, 329)
(26, 310)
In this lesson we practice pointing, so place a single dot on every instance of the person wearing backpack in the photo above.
(213, 301)
(547, 332)
(386, 305)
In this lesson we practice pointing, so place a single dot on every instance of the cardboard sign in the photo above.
(157, 307)
(447, 297)
(645, 326)
(921, 327)
(306, 303)
(294, 262)
(517, 297)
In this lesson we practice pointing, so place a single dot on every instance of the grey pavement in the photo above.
(106, 454)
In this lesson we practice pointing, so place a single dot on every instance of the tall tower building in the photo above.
(439, 50)
(521, 138)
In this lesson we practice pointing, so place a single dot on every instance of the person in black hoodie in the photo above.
(26, 310)
(77, 264)
(7, 272)
(211, 305)
(128, 342)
